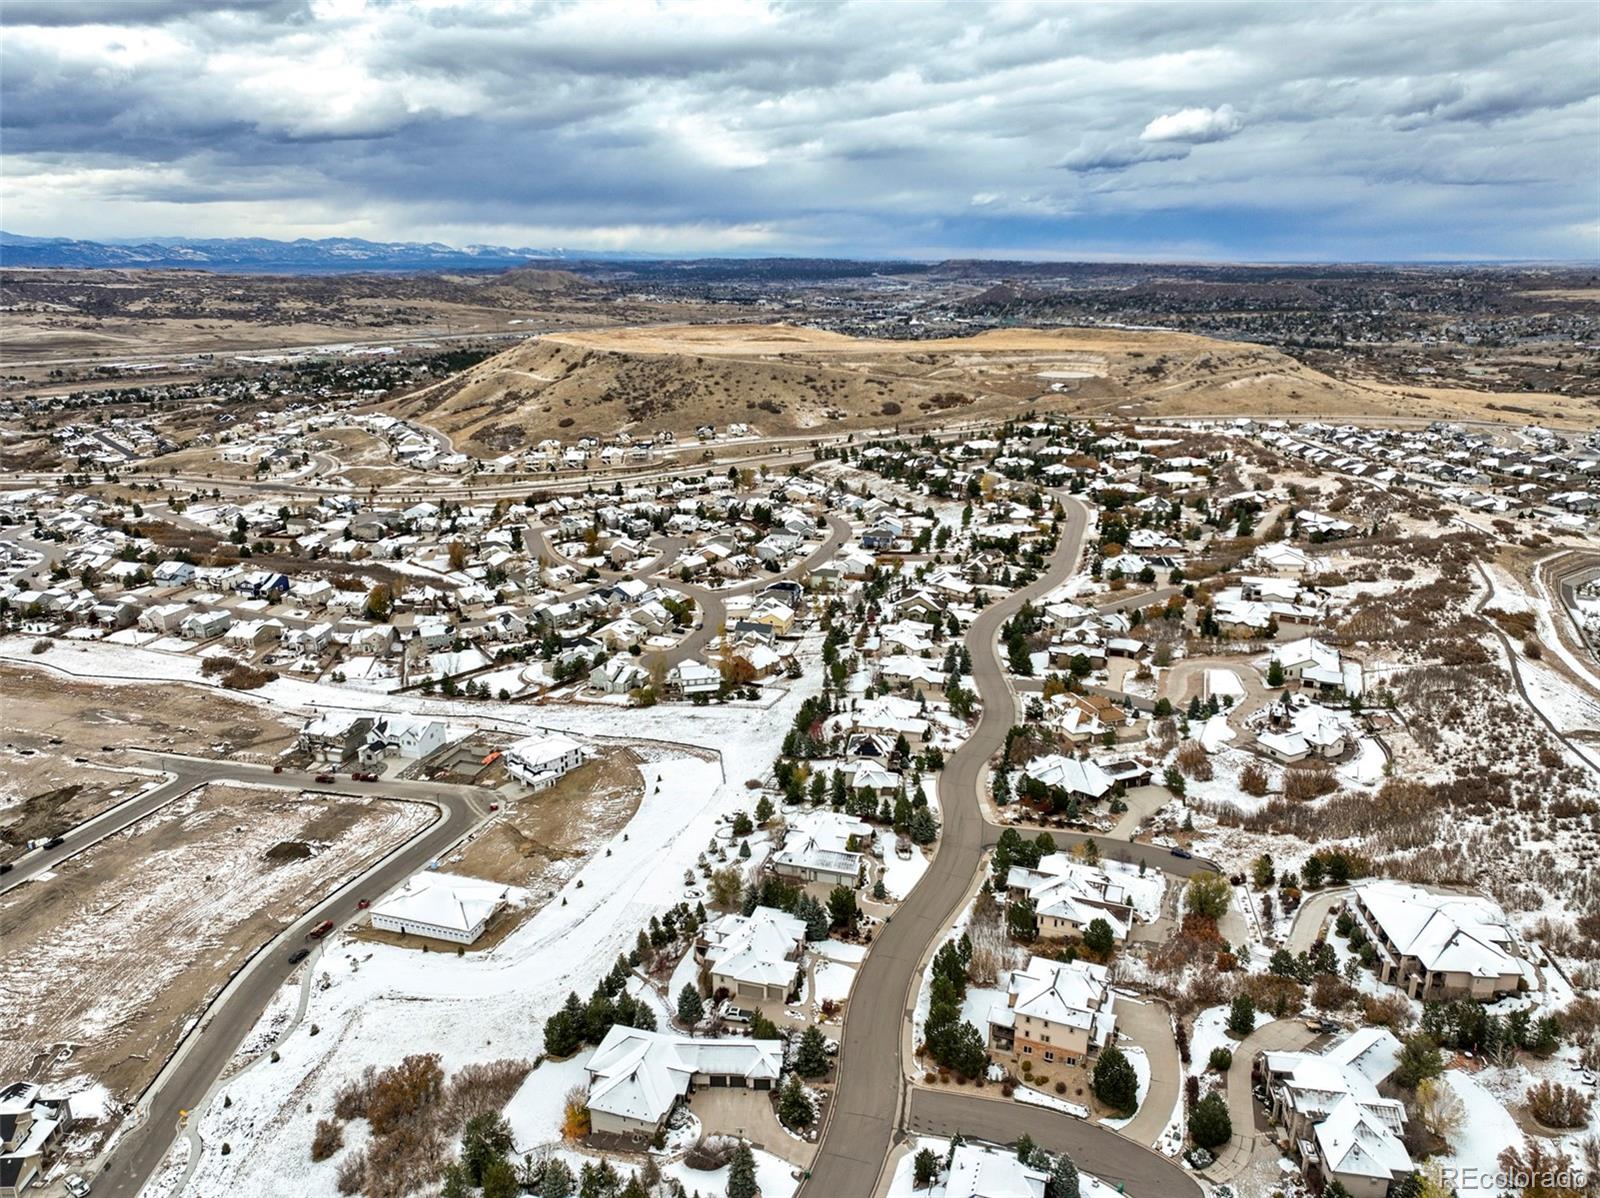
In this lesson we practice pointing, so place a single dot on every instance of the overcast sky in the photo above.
(1252, 131)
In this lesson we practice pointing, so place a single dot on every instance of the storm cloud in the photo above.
(1241, 131)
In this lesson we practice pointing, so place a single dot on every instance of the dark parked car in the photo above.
(299, 955)
(54, 842)
(324, 778)
(6, 867)
(1183, 853)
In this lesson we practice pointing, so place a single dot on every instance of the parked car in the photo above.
(299, 955)
(277, 769)
(738, 1015)
(363, 904)
(494, 806)
(324, 778)
(1184, 854)
(6, 867)
(54, 841)
(321, 930)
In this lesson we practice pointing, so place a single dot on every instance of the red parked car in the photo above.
(324, 778)
(363, 904)
(321, 930)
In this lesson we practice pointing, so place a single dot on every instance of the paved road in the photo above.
(208, 1048)
(92, 832)
(866, 1116)
(1513, 663)
(1093, 1148)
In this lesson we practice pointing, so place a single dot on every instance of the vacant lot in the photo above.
(539, 841)
(109, 960)
(44, 790)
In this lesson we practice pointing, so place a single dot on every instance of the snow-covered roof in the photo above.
(444, 901)
(1447, 933)
(639, 1075)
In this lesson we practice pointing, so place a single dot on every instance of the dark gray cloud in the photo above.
(1237, 130)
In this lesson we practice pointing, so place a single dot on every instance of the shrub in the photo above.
(1253, 779)
(329, 1138)
(1209, 1123)
(1556, 1105)
(1305, 782)
(1221, 1059)
(575, 1115)
(1194, 761)
(352, 1175)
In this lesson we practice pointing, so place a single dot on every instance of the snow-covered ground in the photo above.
(899, 874)
(1486, 1129)
(378, 1000)
(1141, 1068)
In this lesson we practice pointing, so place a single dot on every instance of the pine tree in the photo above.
(1063, 1181)
(1115, 1082)
(691, 1009)
(1209, 1122)
(795, 1109)
(557, 1181)
(742, 1173)
(811, 1059)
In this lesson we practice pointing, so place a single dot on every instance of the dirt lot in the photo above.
(539, 840)
(108, 960)
(45, 792)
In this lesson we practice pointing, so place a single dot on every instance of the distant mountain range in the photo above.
(256, 255)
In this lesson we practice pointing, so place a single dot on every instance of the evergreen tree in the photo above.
(691, 1008)
(500, 1180)
(557, 1181)
(1209, 1123)
(1098, 937)
(742, 1173)
(1115, 1082)
(924, 1169)
(811, 1059)
(1063, 1180)
(795, 1109)
(1242, 1016)
(487, 1139)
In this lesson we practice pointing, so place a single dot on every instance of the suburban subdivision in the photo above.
(1003, 788)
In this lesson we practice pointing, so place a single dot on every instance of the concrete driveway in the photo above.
(1149, 1025)
(1251, 1135)
(1312, 915)
(735, 1111)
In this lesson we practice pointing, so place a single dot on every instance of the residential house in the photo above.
(823, 846)
(637, 1078)
(1439, 946)
(1054, 1012)
(441, 907)
(541, 759)
(1336, 1123)
(752, 956)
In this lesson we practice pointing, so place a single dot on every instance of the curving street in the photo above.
(210, 1045)
(869, 1112)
